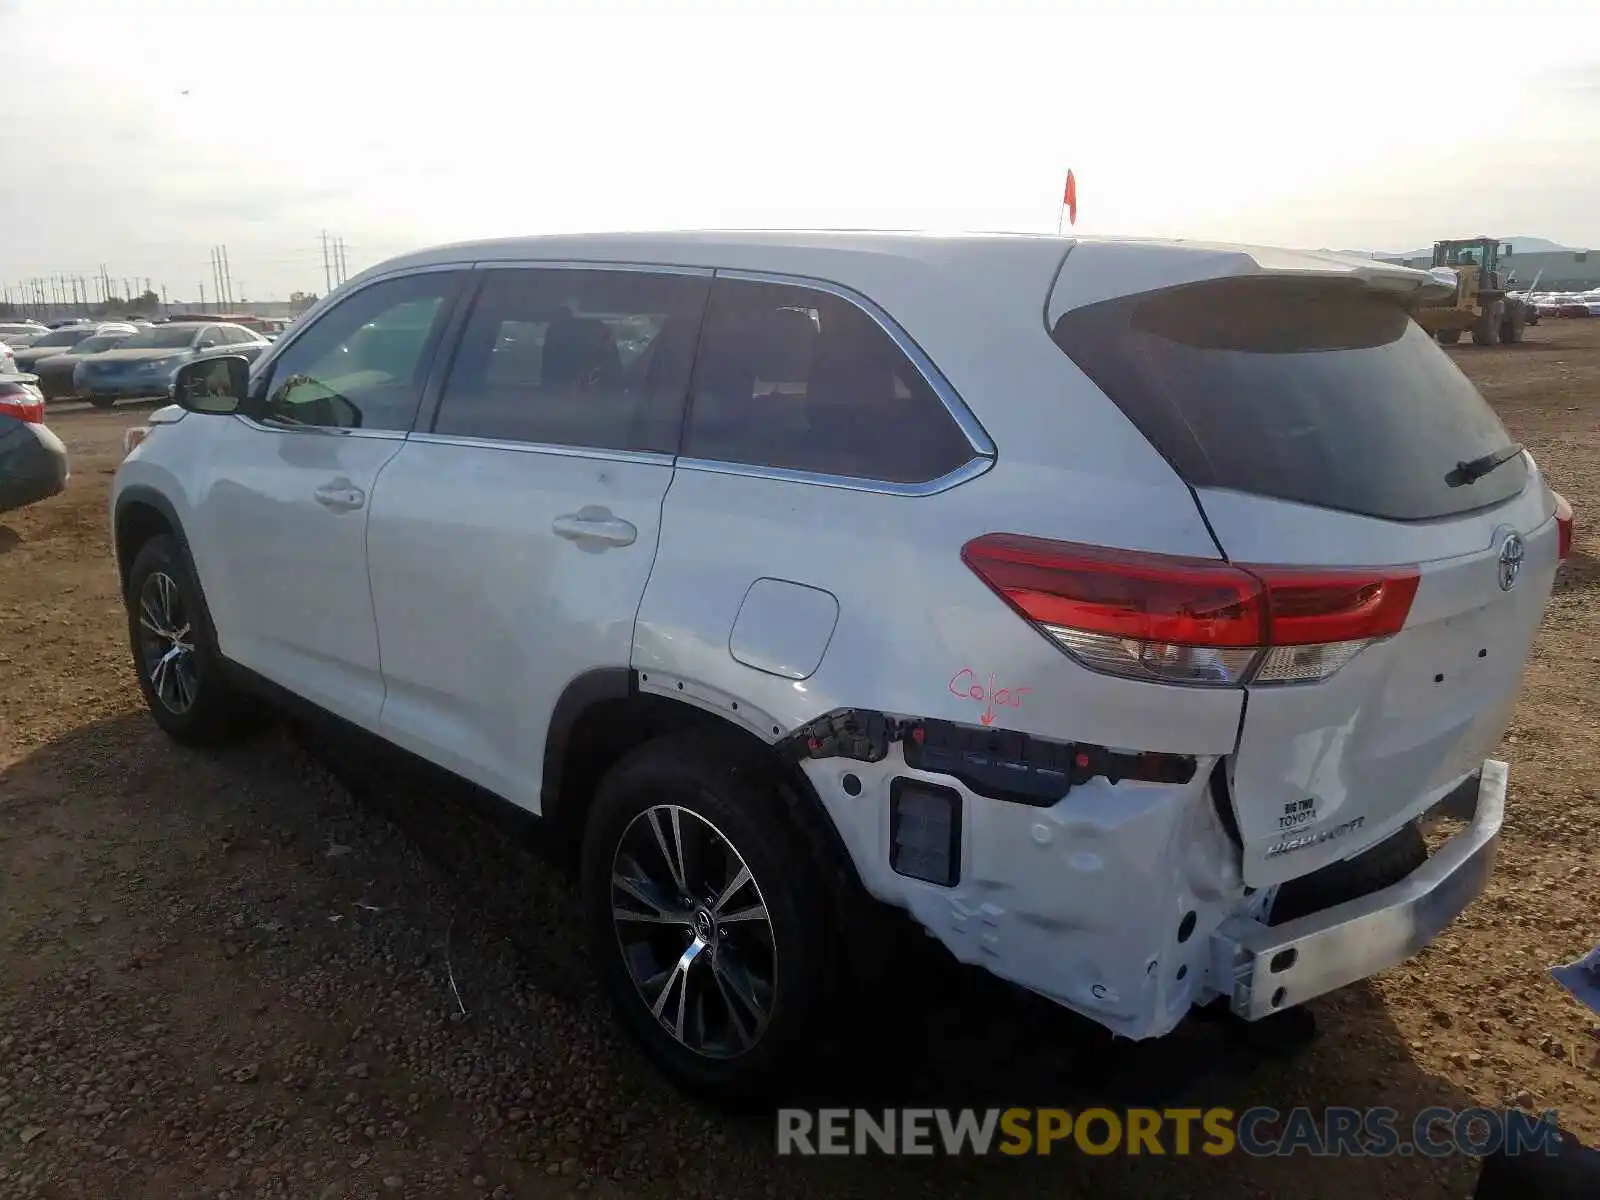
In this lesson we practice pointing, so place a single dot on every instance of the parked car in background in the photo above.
(56, 372)
(20, 397)
(53, 342)
(8, 360)
(33, 460)
(250, 321)
(144, 364)
(250, 352)
(1091, 603)
(1569, 304)
(18, 334)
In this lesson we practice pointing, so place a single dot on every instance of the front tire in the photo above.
(103, 401)
(706, 917)
(180, 672)
(1487, 331)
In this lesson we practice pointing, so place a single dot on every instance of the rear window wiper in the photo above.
(1475, 469)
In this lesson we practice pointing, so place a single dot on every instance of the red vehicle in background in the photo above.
(265, 326)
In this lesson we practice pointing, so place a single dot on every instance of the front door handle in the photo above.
(340, 497)
(591, 524)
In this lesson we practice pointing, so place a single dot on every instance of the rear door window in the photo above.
(804, 380)
(1313, 391)
(576, 357)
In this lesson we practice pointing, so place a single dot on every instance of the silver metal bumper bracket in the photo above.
(1264, 969)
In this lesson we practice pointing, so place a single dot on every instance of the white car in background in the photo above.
(20, 334)
(14, 336)
(1114, 609)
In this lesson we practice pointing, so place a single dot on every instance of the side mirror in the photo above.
(213, 385)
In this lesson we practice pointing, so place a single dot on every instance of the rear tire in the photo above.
(1449, 337)
(103, 401)
(722, 996)
(182, 675)
(1511, 329)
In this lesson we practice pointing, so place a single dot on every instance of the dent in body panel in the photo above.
(1086, 902)
(911, 614)
(1385, 736)
(1405, 720)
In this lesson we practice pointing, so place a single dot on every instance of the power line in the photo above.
(85, 289)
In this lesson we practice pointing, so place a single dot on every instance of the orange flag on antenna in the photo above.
(1069, 198)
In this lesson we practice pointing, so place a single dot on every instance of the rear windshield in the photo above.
(1318, 392)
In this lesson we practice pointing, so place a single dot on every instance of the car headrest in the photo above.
(575, 349)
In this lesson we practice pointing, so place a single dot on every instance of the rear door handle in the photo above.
(595, 525)
(340, 498)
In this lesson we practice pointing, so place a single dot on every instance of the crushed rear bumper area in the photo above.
(1264, 969)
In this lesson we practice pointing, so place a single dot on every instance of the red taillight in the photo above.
(1312, 607)
(1563, 528)
(1131, 594)
(1191, 620)
(24, 406)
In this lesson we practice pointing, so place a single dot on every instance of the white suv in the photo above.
(1116, 609)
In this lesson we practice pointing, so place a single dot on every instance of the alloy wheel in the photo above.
(166, 645)
(694, 931)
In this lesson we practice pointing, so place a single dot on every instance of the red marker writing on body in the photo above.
(965, 686)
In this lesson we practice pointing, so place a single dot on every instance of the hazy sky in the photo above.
(139, 133)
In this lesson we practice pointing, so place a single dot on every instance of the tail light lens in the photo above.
(1193, 621)
(23, 402)
(1563, 528)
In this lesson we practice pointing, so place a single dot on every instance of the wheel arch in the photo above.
(142, 513)
(602, 715)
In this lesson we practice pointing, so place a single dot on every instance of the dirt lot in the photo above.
(226, 976)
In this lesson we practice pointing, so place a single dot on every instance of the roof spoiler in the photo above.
(1130, 265)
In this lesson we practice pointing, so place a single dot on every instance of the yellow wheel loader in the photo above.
(1481, 305)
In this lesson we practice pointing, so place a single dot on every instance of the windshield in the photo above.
(1315, 392)
(64, 337)
(162, 337)
(101, 341)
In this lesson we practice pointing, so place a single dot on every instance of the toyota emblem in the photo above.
(1510, 561)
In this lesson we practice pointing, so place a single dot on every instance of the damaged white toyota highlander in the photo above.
(1116, 609)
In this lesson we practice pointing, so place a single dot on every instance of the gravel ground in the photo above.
(264, 972)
